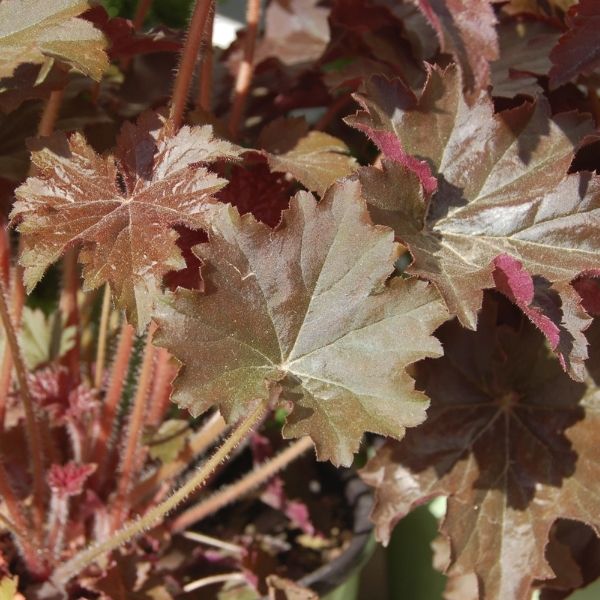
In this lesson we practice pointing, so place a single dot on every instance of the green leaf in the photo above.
(43, 338)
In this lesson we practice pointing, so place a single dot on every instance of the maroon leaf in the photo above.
(465, 28)
(589, 290)
(578, 50)
(525, 46)
(69, 479)
(123, 38)
(510, 439)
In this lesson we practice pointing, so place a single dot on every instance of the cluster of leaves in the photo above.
(447, 286)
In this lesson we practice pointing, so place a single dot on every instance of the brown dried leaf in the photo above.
(304, 305)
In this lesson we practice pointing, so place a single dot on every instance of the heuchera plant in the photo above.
(371, 216)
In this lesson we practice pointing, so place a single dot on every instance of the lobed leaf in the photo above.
(510, 439)
(119, 210)
(578, 50)
(502, 189)
(316, 159)
(305, 306)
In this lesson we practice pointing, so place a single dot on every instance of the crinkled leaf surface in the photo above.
(467, 30)
(119, 210)
(578, 50)
(501, 190)
(305, 305)
(35, 31)
(316, 159)
(512, 441)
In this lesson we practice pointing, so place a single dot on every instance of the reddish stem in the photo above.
(141, 12)
(23, 528)
(246, 70)
(338, 104)
(204, 99)
(31, 425)
(70, 311)
(131, 452)
(50, 114)
(101, 454)
(188, 60)
(234, 492)
(199, 442)
(161, 387)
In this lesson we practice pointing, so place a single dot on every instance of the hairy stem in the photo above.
(102, 335)
(131, 451)
(188, 60)
(70, 310)
(234, 492)
(200, 441)
(100, 454)
(156, 515)
(161, 388)
(244, 75)
(204, 98)
(20, 527)
(31, 425)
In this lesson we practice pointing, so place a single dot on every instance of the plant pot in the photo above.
(339, 579)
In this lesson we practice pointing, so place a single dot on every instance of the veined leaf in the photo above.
(305, 305)
(119, 210)
(502, 189)
(510, 439)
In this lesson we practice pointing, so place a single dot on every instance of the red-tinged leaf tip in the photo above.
(69, 479)
(517, 285)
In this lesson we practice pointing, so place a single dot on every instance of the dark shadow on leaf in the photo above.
(498, 396)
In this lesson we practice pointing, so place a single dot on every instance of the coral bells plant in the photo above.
(366, 226)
